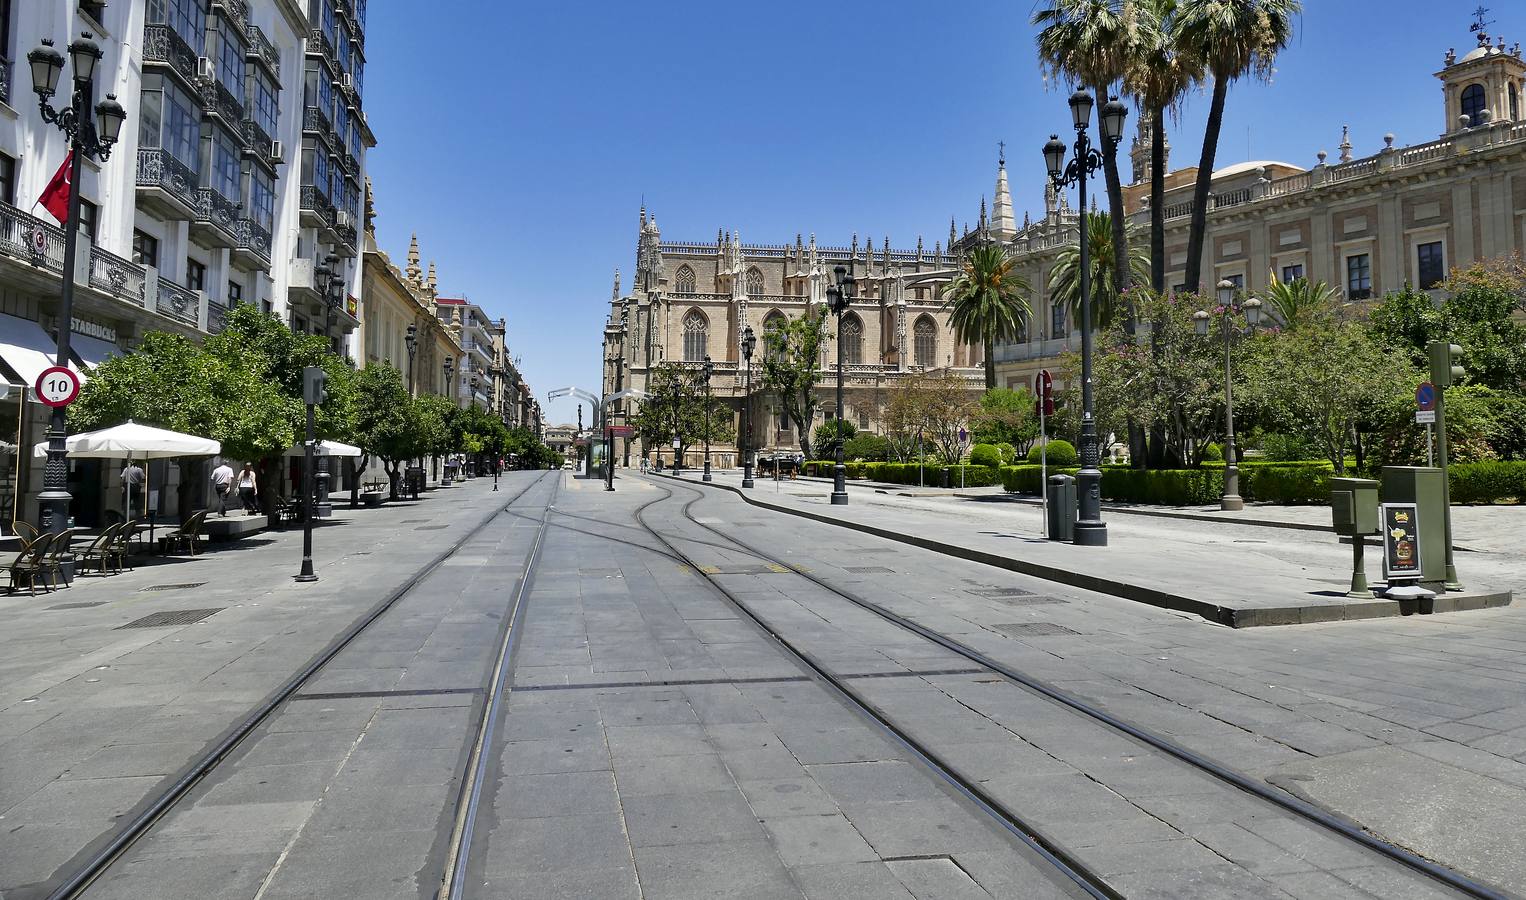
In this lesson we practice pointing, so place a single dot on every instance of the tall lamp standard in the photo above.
(1090, 529)
(707, 371)
(88, 136)
(839, 297)
(411, 340)
(1226, 311)
(749, 343)
(678, 402)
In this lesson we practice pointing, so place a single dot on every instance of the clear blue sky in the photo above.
(519, 138)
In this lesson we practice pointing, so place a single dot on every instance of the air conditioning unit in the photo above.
(204, 67)
(277, 152)
(345, 218)
(347, 81)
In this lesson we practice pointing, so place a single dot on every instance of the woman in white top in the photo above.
(248, 491)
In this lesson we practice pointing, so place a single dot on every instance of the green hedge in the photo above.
(1487, 482)
(1296, 483)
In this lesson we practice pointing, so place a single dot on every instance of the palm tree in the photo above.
(987, 300)
(1065, 277)
(1091, 42)
(1226, 39)
(1158, 75)
(1300, 302)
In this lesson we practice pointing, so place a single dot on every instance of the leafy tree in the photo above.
(1406, 321)
(388, 420)
(1091, 42)
(1479, 316)
(1006, 416)
(867, 447)
(930, 410)
(791, 366)
(1157, 74)
(1065, 277)
(1299, 302)
(988, 301)
(1226, 40)
(824, 439)
(677, 399)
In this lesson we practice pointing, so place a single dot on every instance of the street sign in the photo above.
(620, 431)
(1043, 384)
(1425, 397)
(964, 436)
(1425, 417)
(57, 386)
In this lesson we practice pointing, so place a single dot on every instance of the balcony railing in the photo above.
(163, 46)
(237, 10)
(316, 121)
(217, 317)
(5, 80)
(217, 100)
(116, 276)
(263, 51)
(177, 302)
(253, 238)
(28, 238)
(315, 200)
(317, 41)
(158, 169)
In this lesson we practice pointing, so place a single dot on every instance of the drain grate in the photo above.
(868, 570)
(430, 527)
(171, 587)
(1032, 629)
(171, 617)
(79, 605)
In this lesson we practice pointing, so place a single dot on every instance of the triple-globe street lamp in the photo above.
(1090, 530)
(1226, 311)
(88, 135)
(749, 343)
(707, 371)
(839, 298)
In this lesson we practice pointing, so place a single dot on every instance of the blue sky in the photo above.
(518, 139)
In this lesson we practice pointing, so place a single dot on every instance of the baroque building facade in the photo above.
(693, 300)
(1364, 225)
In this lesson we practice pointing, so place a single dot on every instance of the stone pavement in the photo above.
(94, 719)
(1272, 577)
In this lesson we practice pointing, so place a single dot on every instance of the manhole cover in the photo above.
(868, 570)
(430, 527)
(1032, 629)
(79, 605)
(171, 587)
(1000, 592)
(171, 617)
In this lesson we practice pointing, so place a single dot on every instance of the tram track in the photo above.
(1051, 850)
(98, 862)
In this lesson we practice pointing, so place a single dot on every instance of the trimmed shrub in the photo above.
(1166, 487)
(1213, 453)
(1061, 453)
(1287, 447)
(1287, 483)
(1008, 454)
(867, 447)
(985, 455)
(1487, 482)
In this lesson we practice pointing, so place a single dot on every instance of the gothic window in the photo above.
(754, 282)
(852, 340)
(1473, 103)
(925, 342)
(683, 282)
(772, 322)
(696, 336)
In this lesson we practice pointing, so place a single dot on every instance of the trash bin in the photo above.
(1062, 508)
(947, 482)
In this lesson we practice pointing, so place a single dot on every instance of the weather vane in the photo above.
(1001, 149)
(1482, 23)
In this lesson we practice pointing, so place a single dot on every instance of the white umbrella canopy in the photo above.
(134, 441)
(327, 448)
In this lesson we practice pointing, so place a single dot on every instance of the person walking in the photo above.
(132, 477)
(222, 483)
(247, 492)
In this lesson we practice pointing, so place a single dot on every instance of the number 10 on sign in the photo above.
(57, 386)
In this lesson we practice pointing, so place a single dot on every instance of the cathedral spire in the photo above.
(431, 284)
(1003, 224)
(413, 271)
(1345, 143)
(981, 224)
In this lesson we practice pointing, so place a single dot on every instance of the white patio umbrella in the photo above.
(327, 448)
(133, 442)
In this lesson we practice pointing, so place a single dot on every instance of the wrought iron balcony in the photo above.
(111, 274)
(236, 10)
(177, 302)
(217, 317)
(347, 236)
(217, 100)
(167, 179)
(318, 42)
(252, 240)
(5, 80)
(317, 209)
(217, 216)
(262, 51)
(315, 121)
(29, 239)
(164, 47)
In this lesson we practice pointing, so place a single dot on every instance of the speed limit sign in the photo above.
(57, 386)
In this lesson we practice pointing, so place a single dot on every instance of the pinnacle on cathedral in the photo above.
(413, 271)
(1003, 223)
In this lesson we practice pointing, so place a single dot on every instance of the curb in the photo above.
(1213, 612)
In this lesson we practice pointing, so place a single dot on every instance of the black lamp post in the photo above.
(88, 136)
(707, 371)
(678, 402)
(1090, 529)
(839, 297)
(412, 341)
(1226, 310)
(749, 343)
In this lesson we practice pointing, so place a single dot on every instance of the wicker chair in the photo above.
(187, 534)
(120, 549)
(53, 560)
(28, 564)
(25, 531)
(99, 551)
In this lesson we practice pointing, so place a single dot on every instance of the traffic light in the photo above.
(315, 385)
(1446, 363)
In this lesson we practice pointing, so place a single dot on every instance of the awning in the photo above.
(133, 441)
(326, 448)
(92, 350)
(26, 348)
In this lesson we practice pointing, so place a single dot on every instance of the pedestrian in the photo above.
(132, 477)
(247, 490)
(222, 483)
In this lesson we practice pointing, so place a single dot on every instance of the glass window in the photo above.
(195, 275)
(754, 283)
(172, 121)
(188, 18)
(1433, 266)
(345, 54)
(925, 342)
(360, 74)
(1515, 105)
(342, 124)
(235, 293)
(1292, 273)
(325, 95)
(1359, 277)
(145, 249)
(230, 61)
(267, 103)
(327, 19)
(853, 340)
(262, 199)
(7, 180)
(87, 217)
(225, 169)
(1473, 102)
(1056, 321)
(696, 336)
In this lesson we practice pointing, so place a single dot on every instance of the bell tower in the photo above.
(1487, 84)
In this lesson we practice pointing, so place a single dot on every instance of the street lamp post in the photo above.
(749, 343)
(839, 297)
(88, 135)
(1227, 308)
(708, 371)
(412, 342)
(678, 402)
(1090, 530)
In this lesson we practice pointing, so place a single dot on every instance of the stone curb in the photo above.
(1212, 612)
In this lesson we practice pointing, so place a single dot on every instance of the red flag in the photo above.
(55, 197)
